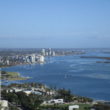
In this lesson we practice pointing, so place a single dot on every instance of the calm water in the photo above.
(82, 76)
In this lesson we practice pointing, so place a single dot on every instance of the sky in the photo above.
(54, 23)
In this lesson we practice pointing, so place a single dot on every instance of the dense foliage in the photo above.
(30, 102)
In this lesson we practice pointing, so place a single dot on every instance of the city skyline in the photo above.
(55, 24)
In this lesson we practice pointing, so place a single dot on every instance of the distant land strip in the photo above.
(107, 58)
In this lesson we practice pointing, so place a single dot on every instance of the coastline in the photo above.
(12, 76)
(44, 83)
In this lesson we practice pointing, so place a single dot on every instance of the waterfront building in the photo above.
(46, 54)
(43, 52)
(53, 53)
(7, 62)
(50, 52)
(41, 59)
(33, 58)
(30, 59)
(27, 59)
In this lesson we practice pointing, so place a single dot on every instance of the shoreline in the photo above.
(29, 78)
(45, 85)
(22, 83)
(12, 76)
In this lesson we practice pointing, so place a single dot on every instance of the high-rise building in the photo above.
(7, 62)
(33, 58)
(50, 52)
(41, 59)
(43, 52)
(53, 53)
(46, 53)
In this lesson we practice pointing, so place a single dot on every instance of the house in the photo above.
(3, 105)
(51, 93)
(73, 107)
(27, 92)
(37, 93)
(54, 101)
(17, 89)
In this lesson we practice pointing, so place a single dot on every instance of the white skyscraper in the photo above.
(46, 54)
(43, 52)
(50, 52)
(33, 58)
(41, 59)
(7, 62)
(53, 53)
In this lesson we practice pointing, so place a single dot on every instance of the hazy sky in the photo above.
(55, 23)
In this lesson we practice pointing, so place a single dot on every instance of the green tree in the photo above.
(65, 94)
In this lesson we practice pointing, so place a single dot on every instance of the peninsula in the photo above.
(11, 76)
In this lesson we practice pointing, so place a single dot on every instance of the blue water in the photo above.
(82, 76)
